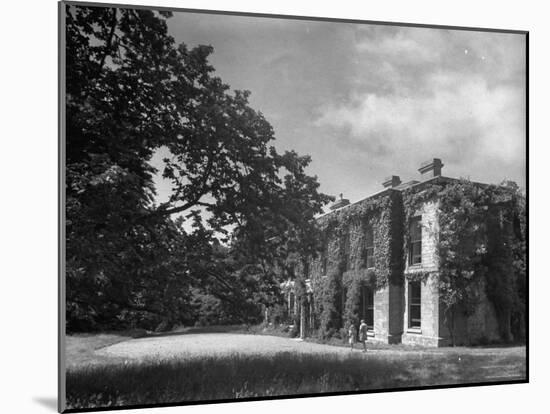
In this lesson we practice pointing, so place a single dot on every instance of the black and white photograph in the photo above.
(258, 206)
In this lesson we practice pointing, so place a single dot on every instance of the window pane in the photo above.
(416, 229)
(369, 320)
(369, 257)
(369, 242)
(416, 249)
(415, 242)
(415, 316)
(414, 305)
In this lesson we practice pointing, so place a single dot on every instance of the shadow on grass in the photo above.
(236, 329)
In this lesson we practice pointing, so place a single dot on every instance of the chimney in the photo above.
(341, 202)
(431, 168)
(391, 181)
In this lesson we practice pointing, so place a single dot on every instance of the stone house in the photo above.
(380, 262)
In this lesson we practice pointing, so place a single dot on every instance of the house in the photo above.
(425, 262)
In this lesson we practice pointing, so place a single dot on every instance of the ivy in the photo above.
(344, 232)
(353, 281)
(382, 215)
(327, 303)
(418, 276)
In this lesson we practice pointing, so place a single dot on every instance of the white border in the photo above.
(29, 202)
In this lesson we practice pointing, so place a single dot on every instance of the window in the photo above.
(306, 270)
(415, 248)
(291, 304)
(346, 251)
(414, 305)
(324, 263)
(367, 306)
(369, 248)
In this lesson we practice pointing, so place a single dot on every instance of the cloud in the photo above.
(422, 96)
(461, 115)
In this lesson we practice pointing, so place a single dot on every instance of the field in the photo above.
(111, 369)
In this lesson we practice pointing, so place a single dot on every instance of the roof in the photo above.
(413, 184)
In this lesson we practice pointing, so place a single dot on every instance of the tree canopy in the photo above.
(131, 91)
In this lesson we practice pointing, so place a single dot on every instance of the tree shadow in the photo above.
(202, 330)
(48, 402)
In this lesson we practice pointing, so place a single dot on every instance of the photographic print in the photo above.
(263, 206)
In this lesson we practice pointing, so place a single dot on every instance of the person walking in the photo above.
(363, 334)
(352, 334)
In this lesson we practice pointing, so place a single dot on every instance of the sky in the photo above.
(368, 101)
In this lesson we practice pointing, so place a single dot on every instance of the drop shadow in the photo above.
(48, 402)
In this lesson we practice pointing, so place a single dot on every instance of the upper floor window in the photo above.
(369, 248)
(324, 260)
(415, 244)
(346, 251)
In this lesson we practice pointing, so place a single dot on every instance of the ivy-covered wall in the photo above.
(473, 262)
(475, 254)
(340, 270)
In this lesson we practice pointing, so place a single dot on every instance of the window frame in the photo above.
(324, 260)
(367, 296)
(414, 324)
(415, 240)
(291, 304)
(369, 247)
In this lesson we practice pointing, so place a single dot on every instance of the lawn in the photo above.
(109, 370)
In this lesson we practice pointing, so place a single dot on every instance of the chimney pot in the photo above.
(431, 168)
(391, 181)
(341, 202)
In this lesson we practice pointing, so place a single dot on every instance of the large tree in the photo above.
(130, 92)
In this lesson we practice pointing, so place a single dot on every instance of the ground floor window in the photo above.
(414, 305)
(367, 306)
(291, 304)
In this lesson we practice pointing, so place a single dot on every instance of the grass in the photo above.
(154, 381)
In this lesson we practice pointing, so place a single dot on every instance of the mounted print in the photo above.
(261, 206)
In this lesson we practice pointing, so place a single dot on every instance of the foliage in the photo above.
(131, 92)
(353, 282)
(343, 233)
(328, 304)
(382, 215)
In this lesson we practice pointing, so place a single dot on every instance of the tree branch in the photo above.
(109, 42)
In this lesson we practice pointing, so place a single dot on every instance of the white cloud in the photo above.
(462, 119)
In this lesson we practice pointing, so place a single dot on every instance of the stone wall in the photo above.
(429, 333)
(388, 314)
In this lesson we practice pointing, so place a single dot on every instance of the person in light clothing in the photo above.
(363, 334)
(352, 334)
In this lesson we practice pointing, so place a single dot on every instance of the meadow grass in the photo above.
(154, 381)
